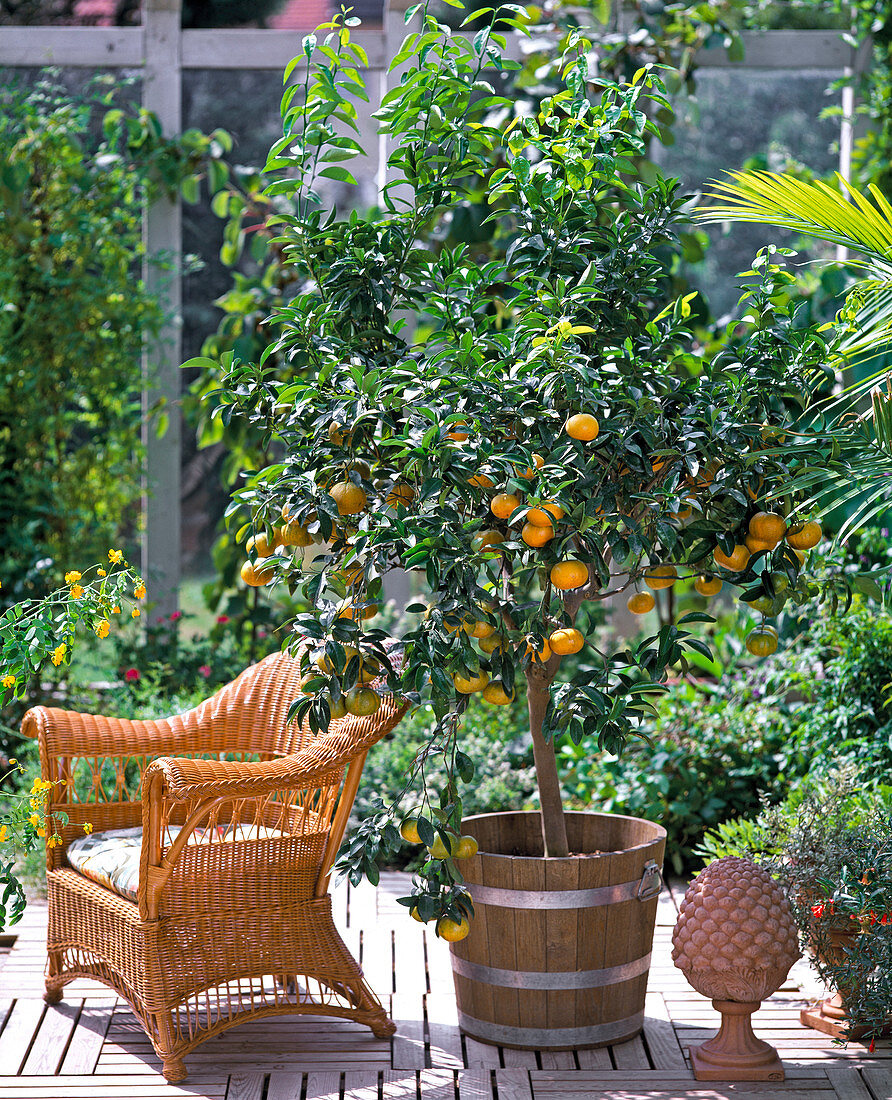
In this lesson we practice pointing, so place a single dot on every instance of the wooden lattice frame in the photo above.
(222, 931)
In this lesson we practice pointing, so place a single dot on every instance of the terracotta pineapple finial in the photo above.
(735, 942)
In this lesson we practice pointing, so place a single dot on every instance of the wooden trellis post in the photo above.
(163, 232)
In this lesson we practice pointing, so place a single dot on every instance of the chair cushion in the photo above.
(111, 858)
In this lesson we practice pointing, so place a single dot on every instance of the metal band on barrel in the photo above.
(550, 1037)
(553, 899)
(561, 979)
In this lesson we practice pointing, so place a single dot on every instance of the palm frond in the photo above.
(810, 207)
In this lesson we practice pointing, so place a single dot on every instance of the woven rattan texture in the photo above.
(224, 930)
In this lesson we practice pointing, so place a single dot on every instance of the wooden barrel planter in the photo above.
(559, 949)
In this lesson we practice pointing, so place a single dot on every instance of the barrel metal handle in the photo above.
(651, 881)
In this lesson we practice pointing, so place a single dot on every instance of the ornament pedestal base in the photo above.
(735, 1054)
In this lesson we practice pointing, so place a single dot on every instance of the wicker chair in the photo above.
(222, 931)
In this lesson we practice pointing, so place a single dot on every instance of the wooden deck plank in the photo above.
(659, 1034)
(437, 1084)
(21, 1026)
(445, 1038)
(481, 1054)
(557, 1059)
(285, 1086)
(89, 1035)
(246, 1086)
(847, 1083)
(400, 1085)
(323, 1086)
(475, 1084)
(879, 1081)
(513, 1084)
(630, 1055)
(51, 1041)
(519, 1059)
(361, 1086)
(407, 1012)
(594, 1058)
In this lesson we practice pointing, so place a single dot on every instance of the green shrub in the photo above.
(75, 176)
(714, 750)
(500, 747)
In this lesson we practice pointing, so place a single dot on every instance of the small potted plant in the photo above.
(833, 854)
(526, 430)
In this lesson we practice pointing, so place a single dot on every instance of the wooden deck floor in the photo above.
(90, 1047)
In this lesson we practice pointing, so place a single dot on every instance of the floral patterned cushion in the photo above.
(111, 858)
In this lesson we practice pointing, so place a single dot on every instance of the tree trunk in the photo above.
(554, 828)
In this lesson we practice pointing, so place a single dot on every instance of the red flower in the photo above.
(222, 618)
(205, 670)
(131, 674)
(817, 910)
(886, 918)
(176, 615)
(872, 1046)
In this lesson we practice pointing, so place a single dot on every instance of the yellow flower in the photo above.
(59, 653)
(88, 827)
(100, 573)
(4, 832)
(116, 610)
(8, 681)
(41, 832)
(41, 785)
(34, 819)
(139, 591)
(72, 577)
(134, 614)
(76, 591)
(116, 556)
(102, 628)
(54, 841)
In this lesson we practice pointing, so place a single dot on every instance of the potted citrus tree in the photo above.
(526, 433)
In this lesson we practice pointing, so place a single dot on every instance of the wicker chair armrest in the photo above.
(316, 765)
(69, 733)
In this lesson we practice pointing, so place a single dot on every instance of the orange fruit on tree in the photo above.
(350, 498)
(438, 849)
(761, 642)
(478, 628)
(293, 534)
(736, 561)
(582, 426)
(487, 538)
(355, 612)
(481, 481)
(259, 545)
(708, 585)
(452, 930)
(538, 653)
(804, 536)
(565, 640)
(546, 514)
(467, 685)
(337, 708)
(639, 603)
(401, 495)
(455, 431)
(683, 513)
(495, 693)
(256, 573)
(493, 642)
(337, 435)
(503, 504)
(362, 701)
(530, 471)
(758, 546)
(660, 576)
(409, 830)
(569, 574)
(768, 527)
(533, 535)
(465, 848)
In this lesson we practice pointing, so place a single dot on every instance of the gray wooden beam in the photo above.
(783, 50)
(77, 47)
(247, 48)
(162, 93)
